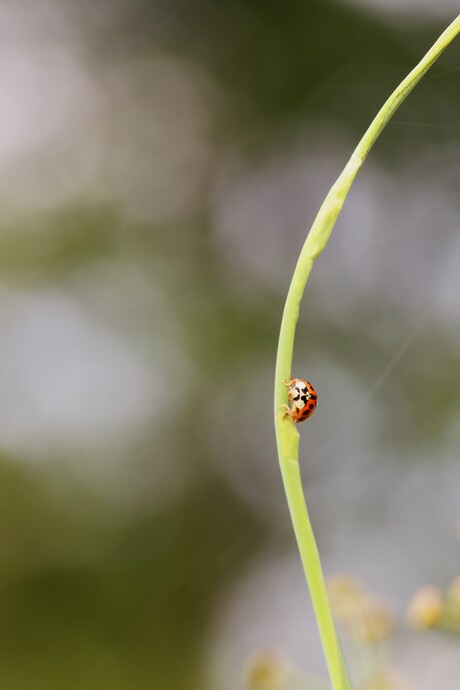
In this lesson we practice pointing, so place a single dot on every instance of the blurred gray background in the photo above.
(160, 165)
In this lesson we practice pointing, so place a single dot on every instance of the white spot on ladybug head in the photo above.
(297, 394)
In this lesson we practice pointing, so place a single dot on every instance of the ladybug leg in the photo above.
(289, 383)
(287, 411)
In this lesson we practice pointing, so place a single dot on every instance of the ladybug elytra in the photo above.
(302, 398)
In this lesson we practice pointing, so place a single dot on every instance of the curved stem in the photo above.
(287, 435)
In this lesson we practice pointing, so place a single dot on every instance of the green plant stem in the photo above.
(286, 432)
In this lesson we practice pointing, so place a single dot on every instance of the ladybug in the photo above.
(302, 398)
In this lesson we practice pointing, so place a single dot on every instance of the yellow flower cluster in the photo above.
(425, 608)
(432, 608)
(386, 680)
(365, 617)
(266, 670)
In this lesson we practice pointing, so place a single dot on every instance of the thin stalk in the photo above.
(287, 435)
